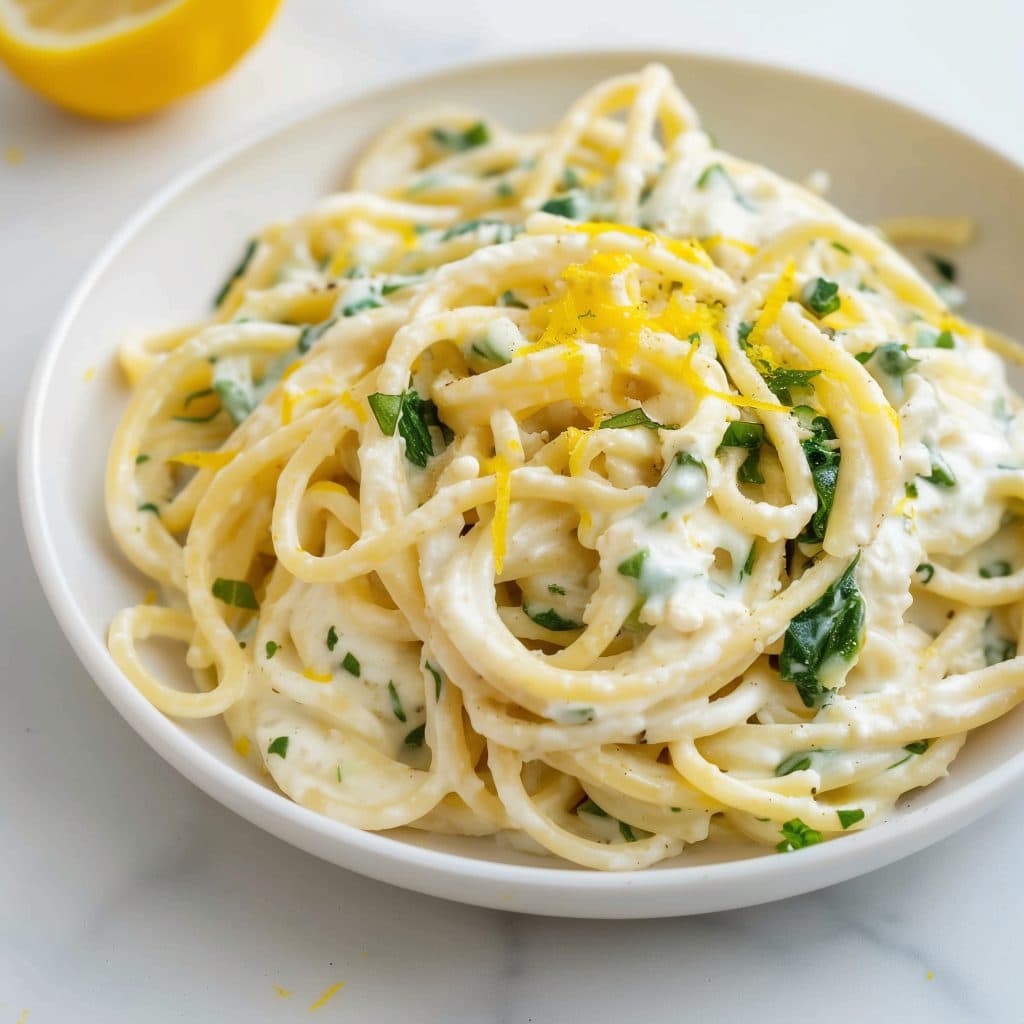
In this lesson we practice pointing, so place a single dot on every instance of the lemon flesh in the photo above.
(119, 59)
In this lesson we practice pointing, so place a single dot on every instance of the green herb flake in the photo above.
(783, 379)
(396, 702)
(634, 418)
(946, 269)
(796, 836)
(891, 358)
(361, 305)
(942, 474)
(312, 333)
(199, 419)
(337, 769)
(332, 638)
(841, 248)
(850, 817)
(350, 663)
(945, 340)
(149, 507)
(716, 172)
(824, 459)
(633, 566)
(238, 593)
(436, 673)
(826, 633)
(554, 588)
(477, 134)
(573, 206)
(910, 489)
(821, 296)
(386, 409)
(509, 301)
(926, 571)
(141, 458)
(918, 746)
(413, 417)
(550, 619)
(271, 649)
(278, 746)
(240, 269)
(993, 570)
(797, 762)
(415, 737)
(740, 434)
(627, 832)
(589, 807)
(748, 565)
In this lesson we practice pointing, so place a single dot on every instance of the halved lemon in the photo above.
(122, 58)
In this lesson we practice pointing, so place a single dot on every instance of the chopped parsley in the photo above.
(823, 458)
(748, 565)
(926, 571)
(891, 358)
(278, 746)
(782, 379)
(235, 592)
(350, 663)
(841, 248)
(796, 762)
(850, 817)
(332, 638)
(946, 269)
(554, 588)
(550, 619)
(741, 434)
(149, 507)
(140, 459)
(821, 296)
(415, 737)
(271, 649)
(634, 418)
(627, 832)
(917, 747)
(796, 836)
(589, 807)
(505, 232)
(993, 570)
(436, 673)
(509, 301)
(716, 172)
(942, 474)
(361, 305)
(413, 417)
(477, 134)
(311, 333)
(633, 566)
(240, 269)
(822, 637)
(573, 206)
(396, 702)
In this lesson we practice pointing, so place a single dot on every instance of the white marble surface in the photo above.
(125, 894)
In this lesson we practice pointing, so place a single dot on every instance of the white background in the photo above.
(126, 895)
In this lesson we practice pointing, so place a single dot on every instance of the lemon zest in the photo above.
(502, 500)
(204, 460)
(328, 995)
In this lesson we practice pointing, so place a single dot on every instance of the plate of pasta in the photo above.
(573, 484)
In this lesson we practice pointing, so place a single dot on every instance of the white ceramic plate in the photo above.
(884, 160)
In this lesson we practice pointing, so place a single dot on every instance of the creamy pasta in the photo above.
(595, 489)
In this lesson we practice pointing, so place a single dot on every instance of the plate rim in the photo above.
(378, 855)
